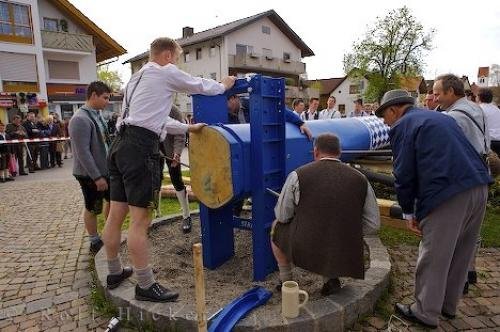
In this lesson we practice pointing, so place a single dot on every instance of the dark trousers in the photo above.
(18, 150)
(495, 146)
(55, 156)
(175, 176)
(34, 149)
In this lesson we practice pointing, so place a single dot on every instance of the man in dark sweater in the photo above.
(441, 185)
(320, 220)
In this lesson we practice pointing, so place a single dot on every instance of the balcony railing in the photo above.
(254, 62)
(67, 41)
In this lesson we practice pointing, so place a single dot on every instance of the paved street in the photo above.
(44, 277)
(478, 311)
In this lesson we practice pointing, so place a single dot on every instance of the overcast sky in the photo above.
(467, 33)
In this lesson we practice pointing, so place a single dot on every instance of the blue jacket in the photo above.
(433, 161)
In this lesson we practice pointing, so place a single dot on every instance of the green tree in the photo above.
(111, 77)
(393, 48)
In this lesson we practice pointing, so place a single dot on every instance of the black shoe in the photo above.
(114, 280)
(31, 171)
(405, 311)
(186, 225)
(2, 180)
(447, 315)
(10, 178)
(95, 247)
(278, 286)
(155, 293)
(331, 286)
(472, 277)
(466, 288)
(23, 173)
(65, 157)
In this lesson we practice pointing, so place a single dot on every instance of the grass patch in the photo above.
(490, 230)
(392, 237)
(168, 206)
(384, 307)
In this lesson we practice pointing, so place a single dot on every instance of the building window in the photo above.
(50, 24)
(267, 53)
(361, 85)
(286, 57)
(212, 51)
(187, 58)
(266, 30)
(213, 76)
(15, 23)
(353, 89)
(481, 80)
(188, 108)
(198, 53)
(64, 70)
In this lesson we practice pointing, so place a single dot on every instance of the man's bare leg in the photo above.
(285, 268)
(112, 235)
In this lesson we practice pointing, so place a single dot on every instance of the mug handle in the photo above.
(306, 297)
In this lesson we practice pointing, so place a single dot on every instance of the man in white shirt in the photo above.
(312, 113)
(134, 161)
(298, 106)
(358, 109)
(492, 113)
(330, 112)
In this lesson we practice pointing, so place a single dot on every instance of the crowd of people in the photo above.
(440, 168)
(20, 159)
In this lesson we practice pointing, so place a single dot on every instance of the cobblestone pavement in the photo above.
(478, 311)
(44, 261)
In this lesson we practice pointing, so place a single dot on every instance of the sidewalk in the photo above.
(44, 276)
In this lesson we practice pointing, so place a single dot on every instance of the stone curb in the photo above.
(332, 313)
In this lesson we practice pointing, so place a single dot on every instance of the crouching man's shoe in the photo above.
(406, 313)
(155, 293)
(114, 280)
(330, 287)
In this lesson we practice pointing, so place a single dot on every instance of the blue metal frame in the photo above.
(267, 126)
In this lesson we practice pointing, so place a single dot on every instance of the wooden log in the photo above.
(199, 285)
(210, 160)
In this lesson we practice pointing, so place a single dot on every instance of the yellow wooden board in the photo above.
(210, 166)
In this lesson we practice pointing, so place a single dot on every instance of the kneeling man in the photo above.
(323, 211)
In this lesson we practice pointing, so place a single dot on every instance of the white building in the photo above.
(262, 43)
(345, 90)
(48, 54)
(488, 76)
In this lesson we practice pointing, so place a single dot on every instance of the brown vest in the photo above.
(326, 236)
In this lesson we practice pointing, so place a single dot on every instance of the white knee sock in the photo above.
(183, 200)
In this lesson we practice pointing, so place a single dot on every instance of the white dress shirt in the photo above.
(152, 100)
(492, 114)
(329, 113)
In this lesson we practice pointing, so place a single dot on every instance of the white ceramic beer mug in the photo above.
(290, 304)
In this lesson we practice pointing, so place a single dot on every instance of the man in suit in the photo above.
(33, 132)
(16, 131)
(442, 187)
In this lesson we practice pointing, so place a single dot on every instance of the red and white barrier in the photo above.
(34, 140)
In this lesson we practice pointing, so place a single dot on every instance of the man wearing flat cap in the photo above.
(442, 187)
